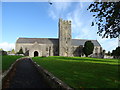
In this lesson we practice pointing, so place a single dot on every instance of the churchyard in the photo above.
(77, 72)
(85, 72)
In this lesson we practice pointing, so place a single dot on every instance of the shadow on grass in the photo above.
(82, 59)
(78, 73)
(86, 59)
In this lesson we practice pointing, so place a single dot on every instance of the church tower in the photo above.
(64, 38)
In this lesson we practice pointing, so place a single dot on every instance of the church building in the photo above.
(64, 45)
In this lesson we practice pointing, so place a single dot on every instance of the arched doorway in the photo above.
(35, 53)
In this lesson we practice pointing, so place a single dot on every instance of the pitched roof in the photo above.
(75, 42)
(38, 40)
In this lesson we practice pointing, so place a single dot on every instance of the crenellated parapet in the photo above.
(64, 21)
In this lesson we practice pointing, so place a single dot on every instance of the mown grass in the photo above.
(7, 61)
(79, 72)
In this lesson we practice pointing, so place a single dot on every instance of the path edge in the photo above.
(6, 74)
(50, 79)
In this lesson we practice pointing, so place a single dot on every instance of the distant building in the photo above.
(62, 46)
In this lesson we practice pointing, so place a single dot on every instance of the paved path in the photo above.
(26, 76)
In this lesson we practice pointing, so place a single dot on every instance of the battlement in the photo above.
(64, 21)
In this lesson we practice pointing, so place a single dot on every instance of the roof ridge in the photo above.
(35, 38)
(75, 42)
(84, 39)
(51, 38)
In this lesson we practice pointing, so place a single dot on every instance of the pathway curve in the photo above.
(27, 76)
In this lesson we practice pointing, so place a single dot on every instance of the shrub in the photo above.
(88, 48)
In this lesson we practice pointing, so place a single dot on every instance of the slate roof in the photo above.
(38, 40)
(75, 42)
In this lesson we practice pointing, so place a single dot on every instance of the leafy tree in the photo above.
(20, 51)
(109, 54)
(113, 53)
(88, 48)
(116, 52)
(13, 51)
(107, 17)
(103, 51)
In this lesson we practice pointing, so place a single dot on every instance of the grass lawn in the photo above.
(7, 61)
(80, 72)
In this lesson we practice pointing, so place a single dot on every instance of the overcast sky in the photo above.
(40, 20)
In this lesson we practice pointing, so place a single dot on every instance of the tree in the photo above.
(13, 51)
(103, 51)
(109, 54)
(107, 17)
(88, 48)
(113, 53)
(116, 52)
(20, 51)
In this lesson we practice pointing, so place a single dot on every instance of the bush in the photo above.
(88, 48)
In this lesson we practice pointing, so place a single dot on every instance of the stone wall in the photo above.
(42, 49)
(97, 52)
(23, 45)
(53, 50)
(77, 51)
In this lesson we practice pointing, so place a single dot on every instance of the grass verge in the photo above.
(7, 61)
(79, 72)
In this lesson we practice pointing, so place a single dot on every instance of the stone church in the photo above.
(62, 46)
